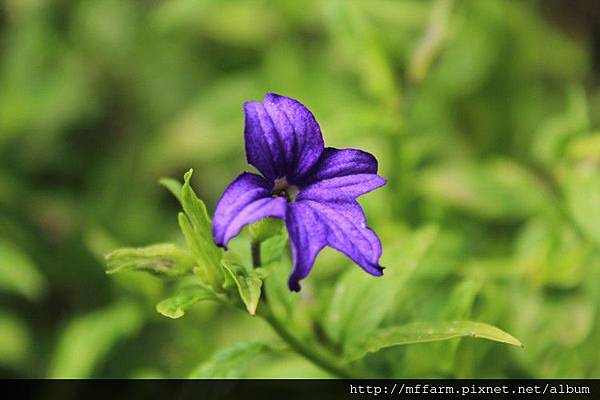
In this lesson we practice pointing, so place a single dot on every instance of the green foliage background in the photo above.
(483, 115)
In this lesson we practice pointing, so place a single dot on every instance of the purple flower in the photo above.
(312, 187)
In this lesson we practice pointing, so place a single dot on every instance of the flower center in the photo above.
(282, 188)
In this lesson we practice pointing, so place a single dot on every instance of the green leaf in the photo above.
(281, 301)
(172, 186)
(175, 306)
(165, 260)
(458, 307)
(194, 207)
(431, 44)
(248, 284)
(272, 249)
(583, 201)
(360, 302)
(265, 228)
(461, 300)
(196, 227)
(15, 340)
(18, 274)
(500, 189)
(421, 332)
(553, 136)
(355, 33)
(88, 338)
(229, 363)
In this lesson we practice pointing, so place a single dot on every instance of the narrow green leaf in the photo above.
(175, 306)
(229, 363)
(18, 274)
(458, 307)
(165, 260)
(431, 44)
(248, 284)
(196, 227)
(281, 301)
(194, 207)
(420, 332)
(172, 186)
(361, 302)
(461, 300)
(193, 243)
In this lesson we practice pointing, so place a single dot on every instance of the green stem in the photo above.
(307, 350)
(255, 250)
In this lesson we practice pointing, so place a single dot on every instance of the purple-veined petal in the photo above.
(341, 189)
(335, 163)
(263, 146)
(283, 139)
(341, 175)
(342, 226)
(307, 236)
(246, 200)
(299, 130)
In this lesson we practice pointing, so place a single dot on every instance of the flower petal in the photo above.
(342, 189)
(283, 139)
(247, 199)
(335, 163)
(263, 147)
(342, 226)
(341, 176)
(308, 236)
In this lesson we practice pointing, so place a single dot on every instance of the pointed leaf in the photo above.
(194, 207)
(172, 186)
(461, 300)
(165, 260)
(458, 306)
(248, 284)
(196, 227)
(281, 301)
(361, 302)
(175, 306)
(420, 332)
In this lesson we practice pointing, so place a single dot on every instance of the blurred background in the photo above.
(483, 115)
